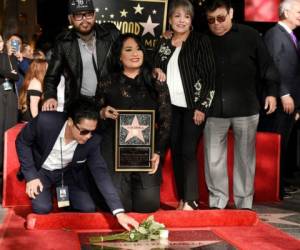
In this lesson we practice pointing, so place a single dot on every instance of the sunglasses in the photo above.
(84, 131)
(220, 19)
(87, 15)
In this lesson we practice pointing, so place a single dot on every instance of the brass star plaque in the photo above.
(134, 143)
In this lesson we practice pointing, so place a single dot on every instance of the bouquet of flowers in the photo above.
(149, 229)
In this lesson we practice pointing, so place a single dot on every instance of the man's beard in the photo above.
(84, 32)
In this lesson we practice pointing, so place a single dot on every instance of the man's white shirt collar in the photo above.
(285, 27)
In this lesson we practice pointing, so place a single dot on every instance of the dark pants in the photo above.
(135, 197)
(184, 144)
(294, 149)
(8, 115)
(139, 192)
(80, 198)
(281, 123)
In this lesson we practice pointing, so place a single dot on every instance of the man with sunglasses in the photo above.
(242, 65)
(82, 53)
(56, 149)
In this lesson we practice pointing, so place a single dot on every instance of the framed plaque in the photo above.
(134, 143)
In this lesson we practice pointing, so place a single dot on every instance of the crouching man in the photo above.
(55, 150)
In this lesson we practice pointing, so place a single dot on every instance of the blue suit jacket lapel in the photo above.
(78, 154)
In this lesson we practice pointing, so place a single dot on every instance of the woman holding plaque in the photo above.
(187, 60)
(132, 87)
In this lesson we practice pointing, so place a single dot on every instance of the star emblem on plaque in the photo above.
(135, 130)
(134, 140)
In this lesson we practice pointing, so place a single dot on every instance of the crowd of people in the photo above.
(197, 84)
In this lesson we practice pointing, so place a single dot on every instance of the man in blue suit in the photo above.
(284, 48)
(57, 149)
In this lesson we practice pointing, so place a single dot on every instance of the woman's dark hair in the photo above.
(83, 108)
(212, 5)
(145, 70)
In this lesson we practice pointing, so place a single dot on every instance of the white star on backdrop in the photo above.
(135, 130)
(154, 12)
(149, 26)
(278, 218)
(138, 9)
(123, 13)
(112, 16)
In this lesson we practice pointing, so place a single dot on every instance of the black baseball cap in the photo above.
(80, 5)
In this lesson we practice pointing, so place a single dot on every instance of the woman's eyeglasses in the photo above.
(84, 131)
(220, 19)
(87, 15)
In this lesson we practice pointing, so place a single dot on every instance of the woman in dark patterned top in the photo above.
(31, 91)
(132, 87)
(187, 60)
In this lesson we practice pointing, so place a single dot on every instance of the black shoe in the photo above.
(291, 190)
(193, 204)
(246, 208)
(216, 208)
(287, 196)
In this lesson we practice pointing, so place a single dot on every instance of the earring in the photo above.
(191, 28)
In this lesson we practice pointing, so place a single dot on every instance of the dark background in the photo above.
(52, 17)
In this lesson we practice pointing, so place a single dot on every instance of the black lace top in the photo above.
(122, 92)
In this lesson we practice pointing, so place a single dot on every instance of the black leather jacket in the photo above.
(66, 59)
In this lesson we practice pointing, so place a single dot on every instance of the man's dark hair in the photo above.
(212, 5)
(24, 46)
(83, 108)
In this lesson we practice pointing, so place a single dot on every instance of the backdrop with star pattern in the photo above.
(146, 18)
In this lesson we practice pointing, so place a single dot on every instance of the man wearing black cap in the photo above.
(82, 53)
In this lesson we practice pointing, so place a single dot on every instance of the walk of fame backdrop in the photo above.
(146, 18)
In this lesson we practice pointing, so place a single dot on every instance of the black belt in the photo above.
(92, 98)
